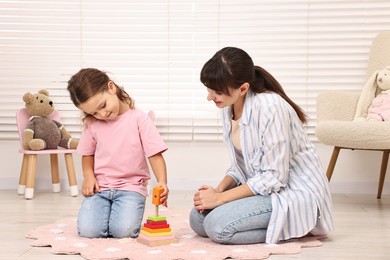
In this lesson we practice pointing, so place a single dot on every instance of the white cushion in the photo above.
(358, 135)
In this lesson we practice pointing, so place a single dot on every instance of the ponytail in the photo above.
(264, 81)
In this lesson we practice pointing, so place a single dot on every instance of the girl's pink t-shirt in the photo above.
(120, 148)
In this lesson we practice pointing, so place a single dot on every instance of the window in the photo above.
(156, 48)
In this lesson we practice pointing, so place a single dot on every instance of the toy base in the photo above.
(155, 242)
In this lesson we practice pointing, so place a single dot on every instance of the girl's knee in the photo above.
(91, 231)
(124, 233)
(121, 230)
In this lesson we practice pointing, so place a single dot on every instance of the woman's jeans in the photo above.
(111, 213)
(242, 221)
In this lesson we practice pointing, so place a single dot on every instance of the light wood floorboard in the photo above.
(362, 225)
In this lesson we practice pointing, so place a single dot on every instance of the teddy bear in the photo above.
(374, 101)
(42, 132)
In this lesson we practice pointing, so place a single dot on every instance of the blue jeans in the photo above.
(242, 221)
(111, 213)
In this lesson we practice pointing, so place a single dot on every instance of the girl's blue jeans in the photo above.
(111, 213)
(242, 221)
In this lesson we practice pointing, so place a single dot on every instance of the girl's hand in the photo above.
(90, 186)
(207, 198)
(164, 195)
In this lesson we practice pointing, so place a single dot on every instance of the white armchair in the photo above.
(336, 110)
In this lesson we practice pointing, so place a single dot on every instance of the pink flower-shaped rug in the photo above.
(62, 237)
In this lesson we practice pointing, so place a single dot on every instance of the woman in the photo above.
(275, 188)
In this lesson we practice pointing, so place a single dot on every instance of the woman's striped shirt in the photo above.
(280, 161)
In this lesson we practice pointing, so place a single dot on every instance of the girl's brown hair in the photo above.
(88, 82)
(231, 67)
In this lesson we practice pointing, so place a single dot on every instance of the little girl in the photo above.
(115, 142)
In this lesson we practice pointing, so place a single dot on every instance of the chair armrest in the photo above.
(336, 105)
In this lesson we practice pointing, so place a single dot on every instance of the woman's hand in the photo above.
(207, 198)
(90, 186)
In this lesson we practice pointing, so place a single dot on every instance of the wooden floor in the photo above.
(362, 225)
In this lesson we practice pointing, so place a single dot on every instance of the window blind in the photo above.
(155, 49)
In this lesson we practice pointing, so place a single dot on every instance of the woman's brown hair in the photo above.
(231, 67)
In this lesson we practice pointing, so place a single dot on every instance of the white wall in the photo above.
(192, 164)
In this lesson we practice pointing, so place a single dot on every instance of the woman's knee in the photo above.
(216, 230)
(196, 222)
